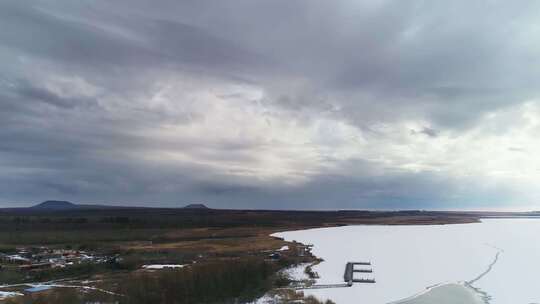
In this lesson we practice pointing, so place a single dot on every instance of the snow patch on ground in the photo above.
(8, 294)
(298, 272)
(162, 266)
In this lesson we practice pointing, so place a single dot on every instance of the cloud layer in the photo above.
(271, 104)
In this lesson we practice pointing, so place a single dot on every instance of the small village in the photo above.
(32, 262)
(37, 258)
(28, 262)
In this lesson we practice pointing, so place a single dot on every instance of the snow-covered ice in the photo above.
(408, 259)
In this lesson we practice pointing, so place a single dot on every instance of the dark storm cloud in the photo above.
(426, 131)
(424, 56)
(97, 43)
(33, 31)
(82, 117)
(27, 91)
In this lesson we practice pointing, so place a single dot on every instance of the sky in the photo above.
(305, 104)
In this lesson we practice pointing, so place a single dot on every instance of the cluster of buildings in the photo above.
(43, 258)
(299, 249)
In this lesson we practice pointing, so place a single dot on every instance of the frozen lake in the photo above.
(498, 257)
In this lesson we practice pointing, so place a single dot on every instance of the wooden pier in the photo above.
(361, 263)
(322, 286)
(348, 276)
(363, 270)
(363, 280)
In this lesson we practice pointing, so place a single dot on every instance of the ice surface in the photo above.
(447, 294)
(408, 259)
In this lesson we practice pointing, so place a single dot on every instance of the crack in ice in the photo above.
(485, 296)
(490, 267)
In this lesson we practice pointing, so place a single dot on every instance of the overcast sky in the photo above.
(271, 104)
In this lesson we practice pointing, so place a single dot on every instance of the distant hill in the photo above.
(196, 206)
(65, 205)
(55, 205)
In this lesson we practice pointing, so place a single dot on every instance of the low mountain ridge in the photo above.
(55, 205)
(196, 206)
